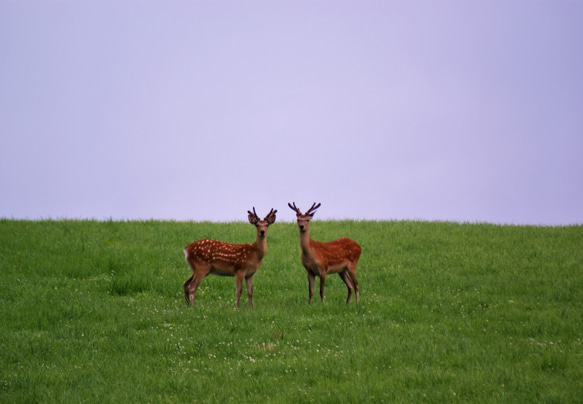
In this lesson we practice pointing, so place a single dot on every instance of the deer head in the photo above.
(304, 218)
(261, 225)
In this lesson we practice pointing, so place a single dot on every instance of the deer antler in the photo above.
(294, 208)
(312, 210)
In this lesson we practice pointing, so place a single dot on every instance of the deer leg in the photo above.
(249, 284)
(199, 272)
(352, 273)
(191, 287)
(311, 279)
(187, 290)
(322, 285)
(239, 282)
(348, 282)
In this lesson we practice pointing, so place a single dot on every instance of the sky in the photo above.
(466, 111)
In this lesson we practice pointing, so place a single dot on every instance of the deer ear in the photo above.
(252, 218)
(270, 218)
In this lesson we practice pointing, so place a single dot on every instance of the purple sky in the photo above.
(430, 110)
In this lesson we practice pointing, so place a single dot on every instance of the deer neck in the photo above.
(305, 242)
(261, 245)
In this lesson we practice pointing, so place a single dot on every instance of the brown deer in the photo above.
(338, 256)
(225, 259)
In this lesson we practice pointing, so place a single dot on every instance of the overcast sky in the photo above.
(467, 111)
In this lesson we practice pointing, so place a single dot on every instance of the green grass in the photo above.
(94, 312)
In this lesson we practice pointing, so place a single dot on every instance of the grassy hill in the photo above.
(94, 312)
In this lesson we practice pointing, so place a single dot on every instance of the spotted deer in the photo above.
(320, 259)
(224, 259)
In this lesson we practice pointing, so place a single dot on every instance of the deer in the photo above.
(320, 259)
(225, 259)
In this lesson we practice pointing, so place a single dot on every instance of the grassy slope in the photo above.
(93, 311)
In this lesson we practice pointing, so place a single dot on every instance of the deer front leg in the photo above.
(311, 280)
(239, 281)
(249, 284)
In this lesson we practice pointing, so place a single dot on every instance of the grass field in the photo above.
(94, 312)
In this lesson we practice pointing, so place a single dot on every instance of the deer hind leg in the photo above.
(349, 285)
(190, 287)
(249, 285)
(352, 274)
(199, 272)
(186, 286)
